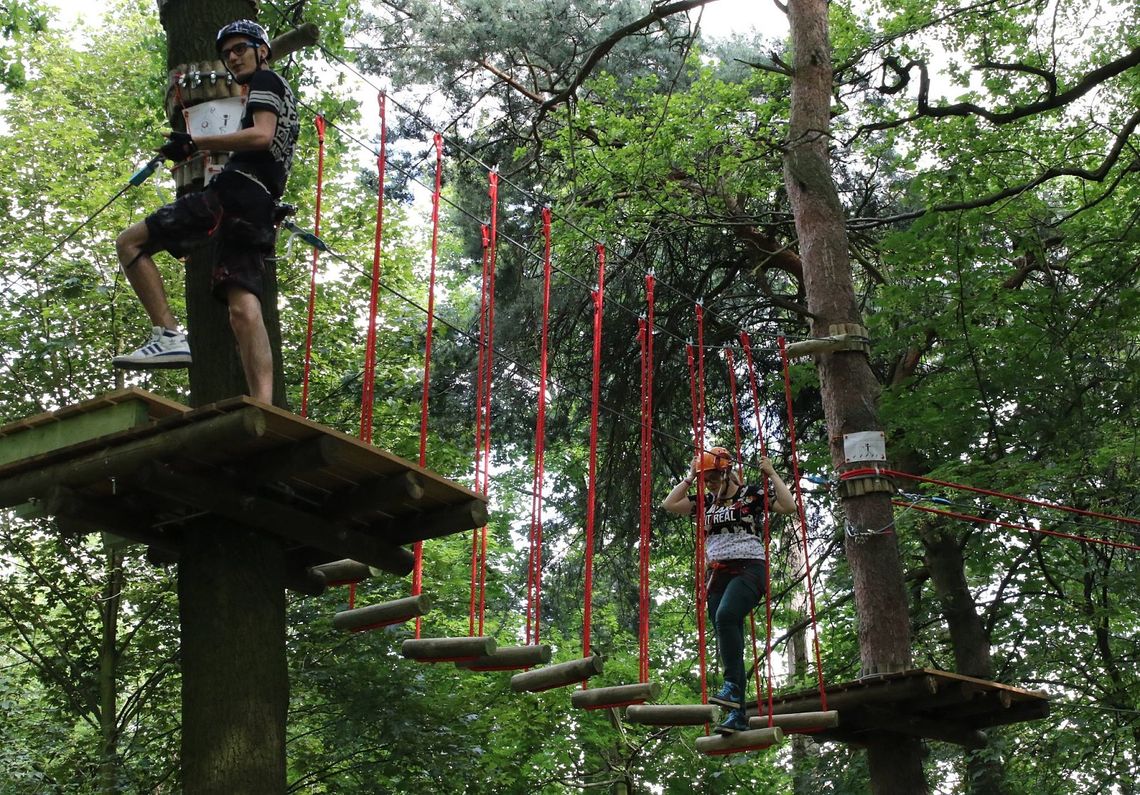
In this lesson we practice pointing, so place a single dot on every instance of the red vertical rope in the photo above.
(493, 193)
(647, 326)
(699, 554)
(802, 515)
(735, 411)
(534, 585)
(418, 547)
(747, 344)
(591, 489)
(480, 480)
(319, 121)
(366, 397)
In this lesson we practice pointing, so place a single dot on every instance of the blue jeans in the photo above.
(735, 588)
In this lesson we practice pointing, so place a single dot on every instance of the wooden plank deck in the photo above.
(927, 703)
(151, 471)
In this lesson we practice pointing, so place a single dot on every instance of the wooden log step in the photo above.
(559, 675)
(615, 696)
(510, 658)
(448, 649)
(382, 615)
(672, 714)
(798, 721)
(343, 572)
(752, 740)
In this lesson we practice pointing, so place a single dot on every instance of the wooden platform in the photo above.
(926, 703)
(149, 469)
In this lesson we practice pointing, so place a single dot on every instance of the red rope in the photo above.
(534, 585)
(699, 556)
(1018, 526)
(480, 479)
(987, 492)
(493, 193)
(592, 488)
(319, 121)
(736, 423)
(754, 384)
(802, 515)
(366, 396)
(418, 547)
(645, 339)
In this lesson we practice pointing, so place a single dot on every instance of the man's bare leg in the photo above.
(143, 275)
(253, 342)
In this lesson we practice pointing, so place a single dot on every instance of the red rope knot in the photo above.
(319, 121)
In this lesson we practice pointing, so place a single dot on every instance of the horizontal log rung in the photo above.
(384, 614)
(671, 714)
(738, 742)
(510, 658)
(615, 696)
(798, 721)
(559, 675)
(447, 649)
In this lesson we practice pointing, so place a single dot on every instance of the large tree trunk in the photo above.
(968, 636)
(850, 390)
(235, 688)
(108, 673)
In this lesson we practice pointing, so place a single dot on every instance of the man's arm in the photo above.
(251, 139)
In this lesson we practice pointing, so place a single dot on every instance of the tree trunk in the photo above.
(235, 688)
(850, 390)
(968, 638)
(108, 670)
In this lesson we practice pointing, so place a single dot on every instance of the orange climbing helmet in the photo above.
(717, 459)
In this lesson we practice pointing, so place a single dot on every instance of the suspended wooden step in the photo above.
(385, 614)
(510, 658)
(453, 650)
(925, 703)
(152, 471)
(343, 572)
(560, 675)
(738, 742)
(672, 714)
(798, 722)
(615, 696)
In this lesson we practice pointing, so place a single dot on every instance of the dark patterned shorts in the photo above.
(232, 209)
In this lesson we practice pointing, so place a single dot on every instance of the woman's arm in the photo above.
(784, 501)
(678, 501)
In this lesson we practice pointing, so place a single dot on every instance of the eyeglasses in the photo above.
(238, 49)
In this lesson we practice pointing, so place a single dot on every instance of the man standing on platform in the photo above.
(237, 206)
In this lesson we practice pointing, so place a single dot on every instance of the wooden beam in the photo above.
(614, 696)
(268, 516)
(282, 463)
(798, 721)
(72, 429)
(752, 740)
(894, 720)
(559, 675)
(404, 491)
(510, 658)
(859, 694)
(443, 522)
(1018, 713)
(671, 714)
(343, 572)
(384, 614)
(448, 649)
(93, 516)
(208, 438)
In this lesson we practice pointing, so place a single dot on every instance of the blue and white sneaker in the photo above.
(729, 696)
(736, 721)
(165, 349)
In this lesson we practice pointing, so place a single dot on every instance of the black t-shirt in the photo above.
(270, 167)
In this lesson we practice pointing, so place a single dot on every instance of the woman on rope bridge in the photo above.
(734, 550)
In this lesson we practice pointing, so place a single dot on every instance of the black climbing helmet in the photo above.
(243, 27)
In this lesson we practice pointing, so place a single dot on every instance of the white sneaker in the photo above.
(165, 349)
